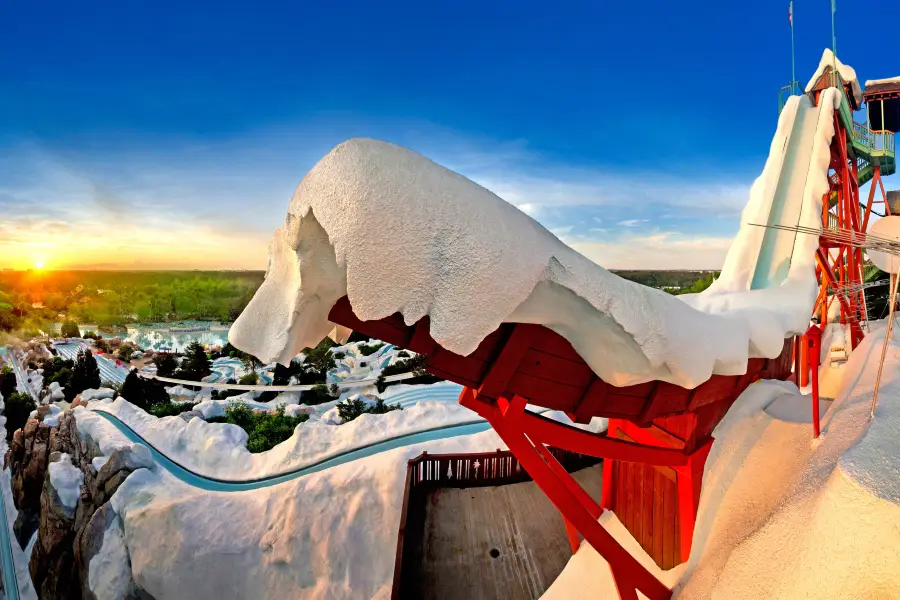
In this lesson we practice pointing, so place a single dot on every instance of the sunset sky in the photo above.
(171, 135)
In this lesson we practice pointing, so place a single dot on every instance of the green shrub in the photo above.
(8, 383)
(223, 394)
(416, 365)
(53, 366)
(165, 364)
(350, 409)
(70, 329)
(143, 393)
(319, 394)
(125, 353)
(264, 430)
(366, 349)
(18, 407)
(169, 409)
(250, 378)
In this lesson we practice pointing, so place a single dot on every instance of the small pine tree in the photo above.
(85, 375)
(196, 364)
(133, 390)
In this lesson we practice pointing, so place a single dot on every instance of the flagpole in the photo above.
(833, 47)
(793, 72)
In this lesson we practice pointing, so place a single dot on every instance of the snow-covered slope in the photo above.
(782, 515)
(322, 536)
(220, 449)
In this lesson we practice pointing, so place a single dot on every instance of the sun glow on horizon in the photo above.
(39, 262)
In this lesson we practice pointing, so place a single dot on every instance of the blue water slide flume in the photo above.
(215, 484)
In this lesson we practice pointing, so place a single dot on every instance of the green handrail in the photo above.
(791, 89)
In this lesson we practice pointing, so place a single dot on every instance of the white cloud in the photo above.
(193, 193)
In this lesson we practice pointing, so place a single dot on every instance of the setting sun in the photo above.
(39, 263)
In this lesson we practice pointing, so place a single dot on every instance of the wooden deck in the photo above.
(492, 543)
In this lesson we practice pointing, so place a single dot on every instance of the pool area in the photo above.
(175, 337)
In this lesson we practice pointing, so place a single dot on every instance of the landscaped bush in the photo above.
(250, 378)
(53, 367)
(165, 364)
(349, 409)
(7, 382)
(415, 364)
(169, 409)
(70, 329)
(264, 430)
(366, 349)
(18, 407)
(143, 393)
(319, 394)
(124, 353)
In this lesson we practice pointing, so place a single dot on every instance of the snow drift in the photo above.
(782, 515)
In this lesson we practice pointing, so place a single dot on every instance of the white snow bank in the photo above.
(848, 74)
(219, 449)
(98, 394)
(322, 536)
(367, 198)
(109, 571)
(587, 576)
(181, 391)
(67, 480)
(52, 419)
(783, 516)
(56, 392)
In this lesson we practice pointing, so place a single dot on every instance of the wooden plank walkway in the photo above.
(492, 543)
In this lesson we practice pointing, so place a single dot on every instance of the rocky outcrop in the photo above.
(28, 456)
(70, 534)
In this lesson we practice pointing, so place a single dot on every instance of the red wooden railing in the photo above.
(430, 471)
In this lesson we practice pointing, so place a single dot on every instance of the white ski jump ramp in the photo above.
(796, 158)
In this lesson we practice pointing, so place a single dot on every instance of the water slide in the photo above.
(794, 157)
(214, 484)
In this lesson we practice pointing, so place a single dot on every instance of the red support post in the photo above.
(814, 342)
(803, 376)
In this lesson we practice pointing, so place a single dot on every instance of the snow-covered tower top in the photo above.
(822, 79)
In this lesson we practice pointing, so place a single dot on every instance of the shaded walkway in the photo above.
(492, 543)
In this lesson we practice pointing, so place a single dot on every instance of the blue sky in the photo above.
(163, 134)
